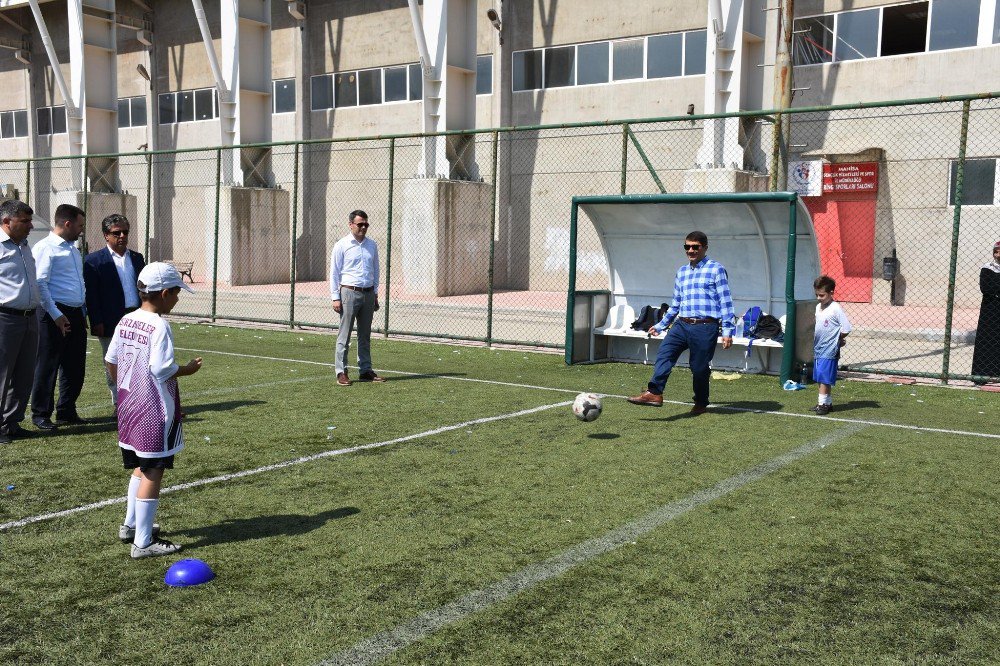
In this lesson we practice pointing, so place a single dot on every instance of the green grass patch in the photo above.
(880, 548)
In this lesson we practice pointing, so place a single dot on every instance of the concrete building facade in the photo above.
(274, 70)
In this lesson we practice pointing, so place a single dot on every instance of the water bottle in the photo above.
(803, 374)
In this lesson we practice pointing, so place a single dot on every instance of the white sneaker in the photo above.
(156, 548)
(127, 534)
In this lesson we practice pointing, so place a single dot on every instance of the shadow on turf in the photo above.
(604, 435)
(262, 527)
(742, 405)
(225, 406)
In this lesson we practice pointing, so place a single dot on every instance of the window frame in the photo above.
(50, 112)
(490, 68)
(274, 96)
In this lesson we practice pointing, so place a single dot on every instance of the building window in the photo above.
(187, 106)
(283, 96)
(395, 84)
(51, 120)
(132, 112)
(979, 182)
(13, 124)
(416, 77)
(912, 27)
(592, 63)
(812, 40)
(627, 60)
(954, 24)
(345, 89)
(560, 67)
(484, 75)
(527, 70)
(695, 45)
(664, 56)
(369, 87)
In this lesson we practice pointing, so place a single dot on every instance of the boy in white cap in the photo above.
(140, 360)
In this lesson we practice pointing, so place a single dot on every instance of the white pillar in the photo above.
(725, 54)
(246, 72)
(449, 90)
(94, 90)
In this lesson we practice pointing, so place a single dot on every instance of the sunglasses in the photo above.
(692, 247)
(120, 232)
(363, 225)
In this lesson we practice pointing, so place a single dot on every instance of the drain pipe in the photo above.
(206, 36)
(418, 31)
(71, 109)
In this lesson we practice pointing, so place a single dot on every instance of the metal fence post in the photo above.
(27, 184)
(493, 233)
(215, 244)
(624, 157)
(956, 224)
(388, 237)
(295, 233)
(149, 201)
(86, 198)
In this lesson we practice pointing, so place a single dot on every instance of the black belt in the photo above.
(17, 312)
(62, 308)
(353, 288)
(699, 320)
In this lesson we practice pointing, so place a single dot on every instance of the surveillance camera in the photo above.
(494, 17)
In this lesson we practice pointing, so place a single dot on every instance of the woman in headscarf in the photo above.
(986, 357)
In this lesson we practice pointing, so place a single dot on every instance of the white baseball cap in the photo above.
(158, 276)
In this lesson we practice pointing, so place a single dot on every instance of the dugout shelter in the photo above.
(766, 241)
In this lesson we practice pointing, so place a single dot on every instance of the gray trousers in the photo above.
(105, 343)
(18, 352)
(358, 307)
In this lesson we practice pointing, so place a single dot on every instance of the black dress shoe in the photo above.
(5, 438)
(45, 425)
(71, 420)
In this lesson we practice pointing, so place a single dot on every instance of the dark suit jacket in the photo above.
(105, 298)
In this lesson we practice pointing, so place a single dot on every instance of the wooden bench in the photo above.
(619, 325)
(183, 267)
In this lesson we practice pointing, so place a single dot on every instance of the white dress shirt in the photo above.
(353, 263)
(127, 276)
(59, 269)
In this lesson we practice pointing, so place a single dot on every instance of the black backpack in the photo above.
(768, 326)
(648, 316)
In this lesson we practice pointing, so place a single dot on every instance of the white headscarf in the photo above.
(994, 264)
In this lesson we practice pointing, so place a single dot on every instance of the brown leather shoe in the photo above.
(698, 410)
(370, 376)
(647, 398)
(342, 379)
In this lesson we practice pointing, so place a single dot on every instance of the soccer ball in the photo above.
(587, 407)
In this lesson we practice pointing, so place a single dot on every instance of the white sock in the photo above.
(826, 399)
(145, 512)
(133, 490)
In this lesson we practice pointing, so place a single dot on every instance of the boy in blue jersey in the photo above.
(832, 327)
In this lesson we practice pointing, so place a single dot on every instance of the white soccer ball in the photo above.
(587, 407)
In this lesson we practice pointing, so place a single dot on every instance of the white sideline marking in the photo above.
(384, 644)
(281, 465)
(882, 424)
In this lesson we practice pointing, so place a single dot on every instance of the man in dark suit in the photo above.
(110, 275)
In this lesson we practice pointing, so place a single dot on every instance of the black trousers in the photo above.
(62, 356)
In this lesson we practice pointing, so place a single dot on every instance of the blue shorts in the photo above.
(825, 371)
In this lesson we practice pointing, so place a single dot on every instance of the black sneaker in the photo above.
(70, 420)
(822, 410)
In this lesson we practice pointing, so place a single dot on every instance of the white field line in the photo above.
(719, 408)
(281, 465)
(384, 644)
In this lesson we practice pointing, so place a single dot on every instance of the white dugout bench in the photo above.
(641, 239)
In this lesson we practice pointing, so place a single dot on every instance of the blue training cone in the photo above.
(185, 573)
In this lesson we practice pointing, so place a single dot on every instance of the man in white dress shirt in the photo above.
(110, 276)
(354, 290)
(62, 327)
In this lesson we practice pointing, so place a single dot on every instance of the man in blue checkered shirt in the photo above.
(701, 305)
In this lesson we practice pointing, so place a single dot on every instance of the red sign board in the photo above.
(850, 177)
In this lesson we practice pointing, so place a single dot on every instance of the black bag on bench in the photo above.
(648, 316)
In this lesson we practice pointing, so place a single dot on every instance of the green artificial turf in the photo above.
(880, 548)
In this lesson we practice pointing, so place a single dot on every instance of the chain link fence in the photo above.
(906, 212)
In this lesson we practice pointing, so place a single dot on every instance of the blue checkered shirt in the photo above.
(699, 292)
